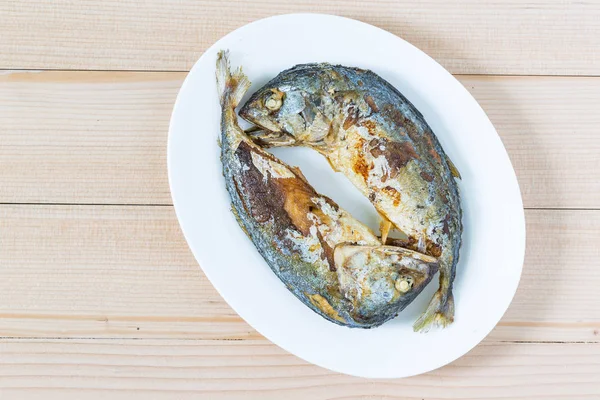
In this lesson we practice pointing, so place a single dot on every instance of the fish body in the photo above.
(372, 134)
(333, 263)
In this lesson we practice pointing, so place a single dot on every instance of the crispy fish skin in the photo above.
(370, 132)
(334, 264)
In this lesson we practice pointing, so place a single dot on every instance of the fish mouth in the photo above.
(266, 131)
(259, 117)
(247, 115)
(267, 138)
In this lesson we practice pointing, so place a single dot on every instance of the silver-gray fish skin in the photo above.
(331, 262)
(370, 132)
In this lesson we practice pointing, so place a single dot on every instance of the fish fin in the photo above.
(298, 172)
(421, 244)
(384, 226)
(231, 86)
(405, 243)
(222, 73)
(439, 313)
(343, 251)
(253, 129)
(333, 167)
(236, 214)
(453, 168)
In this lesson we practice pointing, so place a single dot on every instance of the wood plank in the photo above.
(104, 271)
(100, 137)
(192, 369)
(550, 131)
(126, 272)
(85, 137)
(470, 36)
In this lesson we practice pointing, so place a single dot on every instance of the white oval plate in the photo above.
(493, 247)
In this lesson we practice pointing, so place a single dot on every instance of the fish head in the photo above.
(380, 281)
(294, 108)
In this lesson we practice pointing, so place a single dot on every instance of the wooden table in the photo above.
(100, 296)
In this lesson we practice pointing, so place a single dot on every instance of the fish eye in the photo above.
(404, 283)
(273, 102)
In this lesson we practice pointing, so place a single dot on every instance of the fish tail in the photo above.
(453, 170)
(439, 313)
(231, 86)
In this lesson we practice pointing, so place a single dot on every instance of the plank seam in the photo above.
(10, 203)
(87, 338)
(87, 204)
(187, 71)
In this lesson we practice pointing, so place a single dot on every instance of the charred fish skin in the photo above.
(304, 237)
(370, 132)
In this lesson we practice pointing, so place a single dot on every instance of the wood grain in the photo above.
(126, 272)
(85, 138)
(100, 137)
(192, 369)
(551, 134)
(470, 36)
